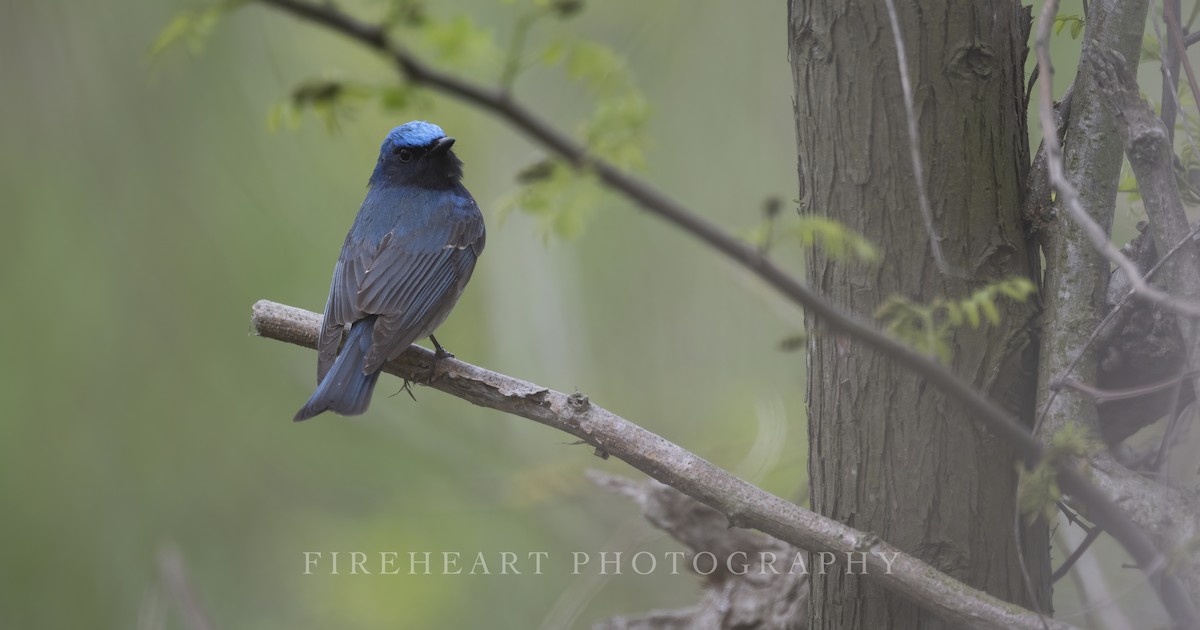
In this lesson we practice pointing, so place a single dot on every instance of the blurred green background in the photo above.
(147, 206)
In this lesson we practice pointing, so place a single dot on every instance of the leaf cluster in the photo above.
(1037, 489)
(930, 327)
(560, 194)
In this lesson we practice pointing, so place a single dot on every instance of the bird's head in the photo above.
(417, 154)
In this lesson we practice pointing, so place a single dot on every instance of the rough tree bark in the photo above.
(888, 454)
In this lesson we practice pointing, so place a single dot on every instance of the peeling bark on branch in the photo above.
(764, 596)
(743, 504)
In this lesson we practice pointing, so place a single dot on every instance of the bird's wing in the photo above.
(340, 312)
(405, 280)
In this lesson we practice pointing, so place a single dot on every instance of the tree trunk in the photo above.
(887, 453)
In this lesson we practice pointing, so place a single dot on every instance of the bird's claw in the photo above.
(439, 353)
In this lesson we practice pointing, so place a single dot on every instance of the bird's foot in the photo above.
(407, 388)
(439, 353)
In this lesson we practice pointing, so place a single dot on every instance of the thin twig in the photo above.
(1104, 323)
(914, 151)
(744, 504)
(1097, 395)
(1065, 567)
(1170, 53)
(1171, 104)
(1175, 417)
(516, 48)
(1175, 36)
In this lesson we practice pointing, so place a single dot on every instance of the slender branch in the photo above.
(1170, 103)
(1097, 395)
(1171, 51)
(657, 203)
(744, 504)
(914, 150)
(516, 48)
(1099, 239)
(1065, 567)
(1102, 327)
(1174, 596)
(1174, 39)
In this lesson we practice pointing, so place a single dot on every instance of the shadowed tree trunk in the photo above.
(889, 454)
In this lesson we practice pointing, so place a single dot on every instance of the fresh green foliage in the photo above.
(1075, 21)
(1128, 183)
(333, 101)
(405, 13)
(558, 196)
(616, 131)
(835, 239)
(1151, 53)
(794, 343)
(328, 100)
(928, 328)
(458, 42)
(1037, 489)
(810, 230)
(191, 28)
(563, 195)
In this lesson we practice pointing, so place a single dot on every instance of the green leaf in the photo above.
(333, 100)
(990, 311)
(557, 195)
(460, 42)
(191, 28)
(554, 52)
(930, 328)
(1037, 491)
(972, 310)
(616, 131)
(794, 342)
(836, 240)
(1075, 21)
(1150, 50)
(593, 63)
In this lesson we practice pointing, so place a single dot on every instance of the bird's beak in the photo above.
(441, 146)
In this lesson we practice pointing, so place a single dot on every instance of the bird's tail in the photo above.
(345, 389)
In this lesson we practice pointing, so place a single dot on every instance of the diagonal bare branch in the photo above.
(744, 504)
(914, 150)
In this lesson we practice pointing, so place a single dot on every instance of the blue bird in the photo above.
(404, 264)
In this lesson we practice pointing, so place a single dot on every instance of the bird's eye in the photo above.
(405, 155)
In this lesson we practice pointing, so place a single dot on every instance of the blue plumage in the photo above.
(405, 262)
(417, 133)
